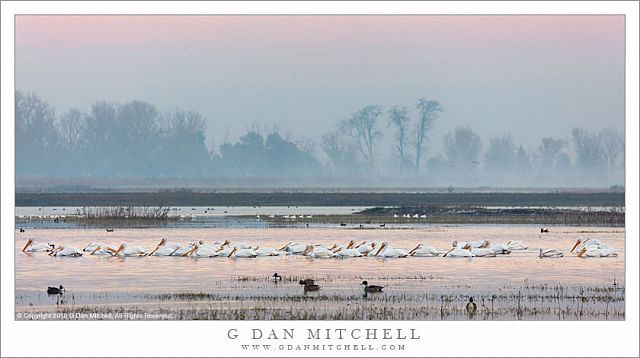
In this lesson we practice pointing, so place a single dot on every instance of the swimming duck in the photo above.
(55, 290)
(471, 307)
(371, 288)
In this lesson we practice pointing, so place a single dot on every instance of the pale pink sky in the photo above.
(494, 73)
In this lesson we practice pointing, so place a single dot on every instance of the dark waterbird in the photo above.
(311, 288)
(471, 307)
(55, 290)
(543, 230)
(21, 230)
(371, 288)
(277, 277)
(109, 230)
(307, 281)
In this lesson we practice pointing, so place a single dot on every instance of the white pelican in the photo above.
(516, 245)
(317, 251)
(294, 248)
(461, 244)
(162, 251)
(125, 250)
(385, 251)
(424, 251)
(365, 247)
(592, 251)
(342, 246)
(501, 249)
(347, 253)
(239, 245)
(92, 246)
(31, 246)
(582, 243)
(550, 253)
(183, 249)
(103, 250)
(65, 251)
(201, 251)
(458, 252)
(242, 253)
(163, 243)
(266, 251)
(480, 251)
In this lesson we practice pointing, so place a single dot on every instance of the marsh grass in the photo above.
(257, 298)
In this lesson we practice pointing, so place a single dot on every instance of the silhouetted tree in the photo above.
(501, 154)
(428, 112)
(361, 127)
(589, 152)
(399, 118)
(36, 137)
(612, 143)
(463, 148)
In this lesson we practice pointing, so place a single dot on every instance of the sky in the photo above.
(533, 76)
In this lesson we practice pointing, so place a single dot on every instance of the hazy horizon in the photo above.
(533, 77)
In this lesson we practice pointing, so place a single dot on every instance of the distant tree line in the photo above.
(134, 139)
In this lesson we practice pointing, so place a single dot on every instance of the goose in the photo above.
(471, 307)
(125, 250)
(55, 290)
(65, 251)
(550, 253)
(480, 252)
(592, 251)
(371, 288)
(31, 246)
(385, 251)
(424, 251)
(242, 253)
(347, 253)
(458, 252)
(317, 251)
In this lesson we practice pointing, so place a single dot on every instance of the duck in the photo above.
(311, 288)
(276, 277)
(307, 281)
(32, 246)
(424, 251)
(550, 253)
(471, 307)
(371, 288)
(55, 290)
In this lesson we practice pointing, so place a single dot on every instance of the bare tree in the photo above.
(399, 118)
(361, 127)
(428, 113)
(612, 145)
(462, 148)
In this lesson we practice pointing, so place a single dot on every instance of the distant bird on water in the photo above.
(21, 230)
(307, 281)
(309, 285)
(277, 277)
(471, 307)
(109, 230)
(55, 290)
(542, 230)
(371, 288)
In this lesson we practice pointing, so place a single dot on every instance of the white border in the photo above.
(438, 338)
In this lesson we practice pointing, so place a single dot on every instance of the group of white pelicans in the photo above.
(483, 248)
